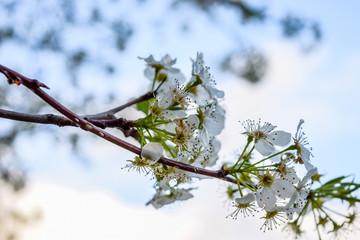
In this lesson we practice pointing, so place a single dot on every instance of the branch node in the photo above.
(223, 173)
(33, 83)
(89, 127)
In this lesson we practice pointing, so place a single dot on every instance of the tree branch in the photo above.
(37, 118)
(121, 123)
(35, 86)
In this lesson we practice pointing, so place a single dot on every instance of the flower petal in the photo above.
(307, 177)
(279, 138)
(248, 198)
(291, 175)
(266, 197)
(193, 121)
(264, 147)
(305, 153)
(215, 92)
(171, 115)
(283, 188)
(302, 197)
(266, 128)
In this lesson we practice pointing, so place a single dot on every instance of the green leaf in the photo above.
(143, 106)
(334, 181)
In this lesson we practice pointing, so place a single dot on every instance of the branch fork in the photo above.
(96, 123)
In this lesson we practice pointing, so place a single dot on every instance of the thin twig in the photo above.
(35, 86)
(111, 113)
(115, 110)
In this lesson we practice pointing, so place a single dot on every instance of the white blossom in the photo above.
(299, 198)
(244, 205)
(201, 73)
(289, 173)
(166, 197)
(185, 137)
(273, 218)
(165, 68)
(207, 154)
(177, 93)
(212, 121)
(272, 187)
(265, 137)
(159, 109)
(302, 152)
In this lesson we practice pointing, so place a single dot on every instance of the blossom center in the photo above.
(180, 138)
(155, 110)
(267, 180)
(259, 135)
(271, 214)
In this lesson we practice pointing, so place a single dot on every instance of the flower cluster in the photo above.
(181, 123)
(326, 218)
(272, 183)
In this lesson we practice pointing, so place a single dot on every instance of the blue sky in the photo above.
(321, 87)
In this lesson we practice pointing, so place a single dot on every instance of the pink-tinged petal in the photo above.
(279, 138)
(266, 197)
(283, 188)
(264, 147)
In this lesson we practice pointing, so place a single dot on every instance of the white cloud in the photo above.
(69, 214)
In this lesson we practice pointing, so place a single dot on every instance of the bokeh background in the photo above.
(280, 61)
